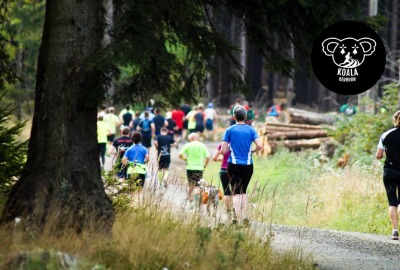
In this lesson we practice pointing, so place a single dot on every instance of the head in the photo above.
(396, 119)
(103, 107)
(193, 137)
(127, 107)
(146, 114)
(240, 113)
(111, 110)
(99, 117)
(137, 114)
(157, 111)
(164, 131)
(210, 105)
(125, 131)
(136, 137)
(238, 101)
(168, 115)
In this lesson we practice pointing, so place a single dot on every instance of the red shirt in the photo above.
(177, 116)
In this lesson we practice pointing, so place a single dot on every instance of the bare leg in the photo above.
(394, 217)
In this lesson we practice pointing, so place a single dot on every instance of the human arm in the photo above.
(206, 160)
(153, 129)
(112, 150)
(216, 155)
(146, 158)
(379, 153)
(155, 142)
(224, 148)
(181, 156)
(125, 160)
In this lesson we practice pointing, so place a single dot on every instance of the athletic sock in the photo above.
(395, 230)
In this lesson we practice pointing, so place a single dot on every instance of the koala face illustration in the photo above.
(348, 52)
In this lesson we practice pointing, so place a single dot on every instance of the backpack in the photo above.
(145, 125)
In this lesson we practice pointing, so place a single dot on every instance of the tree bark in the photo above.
(60, 189)
(307, 117)
(296, 145)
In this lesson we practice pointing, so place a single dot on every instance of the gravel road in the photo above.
(329, 249)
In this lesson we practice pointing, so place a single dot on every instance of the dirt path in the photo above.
(329, 249)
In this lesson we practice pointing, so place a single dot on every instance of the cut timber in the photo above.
(292, 125)
(299, 144)
(307, 117)
(300, 134)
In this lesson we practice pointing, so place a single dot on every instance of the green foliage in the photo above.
(12, 151)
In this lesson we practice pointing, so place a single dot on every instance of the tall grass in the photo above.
(150, 236)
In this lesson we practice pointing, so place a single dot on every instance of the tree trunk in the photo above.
(307, 117)
(60, 189)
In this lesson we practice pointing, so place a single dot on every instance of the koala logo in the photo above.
(348, 52)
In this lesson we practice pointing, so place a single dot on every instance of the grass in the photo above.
(292, 188)
(152, 237)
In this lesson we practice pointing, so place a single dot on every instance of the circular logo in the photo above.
(348, 57)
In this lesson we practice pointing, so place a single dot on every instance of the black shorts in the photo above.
(239, 176)
(178, 131)
(164, 162)
(146, 142)
(185, 124)
(194, 176)
(199, 128)
(391, 180)
(223, 175)
(110, 138)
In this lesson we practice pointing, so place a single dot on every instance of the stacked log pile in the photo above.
(296, 135)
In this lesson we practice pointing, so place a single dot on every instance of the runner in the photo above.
(196, 155)
(146, 128)
(163, 144)
(239, 139)
(178, 116)
(210, 115)
(126, 116)
(103, 129)
(135, 158)
(118, 149)
(223, 175)
(113, 122)
(159, 121)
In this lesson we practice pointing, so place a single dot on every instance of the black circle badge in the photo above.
(348, 57)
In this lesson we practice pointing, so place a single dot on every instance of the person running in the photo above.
(191, 120)
(135, 122)
(163, 143)
(126, 116)
(186, 109)
(146, 128)
(118, 149)
(199, 119)
(210, 115)
(135, 158)
(178, 116)
(171, 125)
(223, 175)
(389, 144)
(113, 122)
(159, 121)
(196, 155)
(103, 130)
(239, 138)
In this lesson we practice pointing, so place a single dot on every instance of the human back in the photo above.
(240, 138)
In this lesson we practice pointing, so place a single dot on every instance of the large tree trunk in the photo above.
(61, 189)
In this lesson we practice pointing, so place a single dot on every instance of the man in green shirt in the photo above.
(196, 155)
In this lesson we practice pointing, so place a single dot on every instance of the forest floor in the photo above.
(327, 248)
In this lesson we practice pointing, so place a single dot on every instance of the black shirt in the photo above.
(121, 144)
(127, 117)
(164, 145)
(158, 121)
(389, 141)
(186, 109)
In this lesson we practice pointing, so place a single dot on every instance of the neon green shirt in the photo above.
(195, 152)
(102, 130)
(112, 121)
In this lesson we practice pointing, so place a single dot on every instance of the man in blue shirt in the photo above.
(239, 138)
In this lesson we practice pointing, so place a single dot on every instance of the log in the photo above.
(300, 134)
(307, 117)
(296, 145)
(292, 125)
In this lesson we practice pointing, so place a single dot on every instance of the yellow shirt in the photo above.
(103, 129)
(112, 121)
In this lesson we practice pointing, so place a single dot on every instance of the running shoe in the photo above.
(395, 235)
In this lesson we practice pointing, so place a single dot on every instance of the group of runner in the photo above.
(235, 151)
